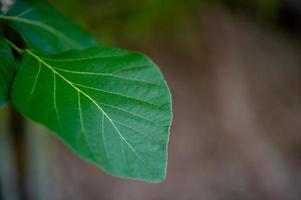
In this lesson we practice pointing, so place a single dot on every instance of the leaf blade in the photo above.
(6, 71)
(44, 29)
(119, 127)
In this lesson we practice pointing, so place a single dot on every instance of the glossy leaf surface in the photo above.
(44, 29)
(6, 71)
(111, 106)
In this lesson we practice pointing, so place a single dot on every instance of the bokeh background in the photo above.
(234, 69)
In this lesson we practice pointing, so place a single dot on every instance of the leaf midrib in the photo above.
(90, 98)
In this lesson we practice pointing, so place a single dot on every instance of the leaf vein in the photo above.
(35, 80)
(106, 74)
(140, 132)
(119, 94)
(84, 58)
(127, 112)
(55, 103)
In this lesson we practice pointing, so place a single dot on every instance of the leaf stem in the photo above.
(15, 47)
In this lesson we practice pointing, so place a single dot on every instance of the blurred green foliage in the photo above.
(127, 18)
(268, 9)
(132, 19)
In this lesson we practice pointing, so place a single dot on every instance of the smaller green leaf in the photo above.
(6, 71)
(44, 29)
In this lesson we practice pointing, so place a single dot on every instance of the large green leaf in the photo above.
(44, 29)
(6, 70)
(112, 107)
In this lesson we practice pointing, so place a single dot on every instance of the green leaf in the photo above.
(6, 71)
(111, 106)
(44, 29)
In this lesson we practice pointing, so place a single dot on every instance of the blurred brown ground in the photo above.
(236, 134)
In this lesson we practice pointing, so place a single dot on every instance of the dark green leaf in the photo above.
(6, 70)
(44, 29)
(111, 106)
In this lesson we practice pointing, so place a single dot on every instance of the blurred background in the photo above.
(234, 69)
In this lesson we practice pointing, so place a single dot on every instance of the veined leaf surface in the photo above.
(44, 29)
(6, 70)
(111, 106)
